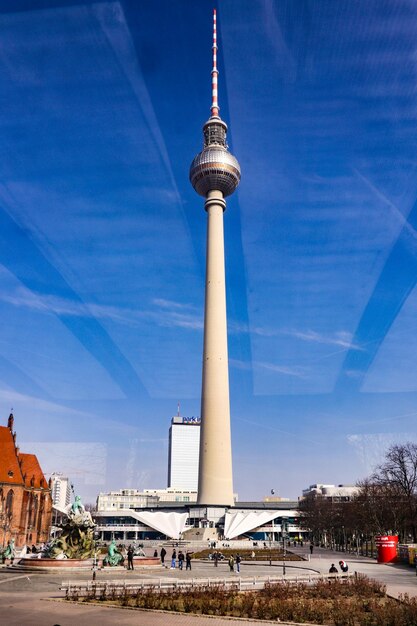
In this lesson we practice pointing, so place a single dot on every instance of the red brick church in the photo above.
(25, 496)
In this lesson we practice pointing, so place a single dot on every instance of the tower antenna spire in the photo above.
(214, 72)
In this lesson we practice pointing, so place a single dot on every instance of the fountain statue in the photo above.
(113, 557)
(9, 551)
(77, 538)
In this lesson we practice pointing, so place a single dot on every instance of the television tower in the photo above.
(215, 174)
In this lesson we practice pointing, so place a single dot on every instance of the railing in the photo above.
(114, 589)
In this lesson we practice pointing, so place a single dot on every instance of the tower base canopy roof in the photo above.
(240, 522)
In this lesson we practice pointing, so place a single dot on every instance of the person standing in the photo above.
(238, 560)
(174, 559)
(180, 559)
(163, 553)
(188, 561)
(130, 558)
(232, 563)
(216, 558)
(311, 548)
(415, 561)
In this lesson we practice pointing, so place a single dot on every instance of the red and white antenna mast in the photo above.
(214, 72)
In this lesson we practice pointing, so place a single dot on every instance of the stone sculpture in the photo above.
(114, 557)
(9, 551)
(77, 538)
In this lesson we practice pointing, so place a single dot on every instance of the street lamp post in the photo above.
(271, 536)
(284, 533)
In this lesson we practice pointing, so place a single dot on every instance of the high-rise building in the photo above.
(183, 453)
(61, 490)
(215, 174)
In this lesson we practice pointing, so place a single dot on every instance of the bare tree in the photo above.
(385, 504)
(398, 473)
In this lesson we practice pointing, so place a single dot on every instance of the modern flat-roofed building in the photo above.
(184, 453)
(135, 499)
(251, 521)
(337, 493)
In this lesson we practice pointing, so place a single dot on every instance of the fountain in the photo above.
(74, 548)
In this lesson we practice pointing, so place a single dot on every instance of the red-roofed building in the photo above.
(25, 496)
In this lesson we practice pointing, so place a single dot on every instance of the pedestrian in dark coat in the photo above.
(163, 553)
(130, 558)
(180, 559)
(188, 561)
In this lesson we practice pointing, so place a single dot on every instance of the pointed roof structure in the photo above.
(17, 468)
(10, 471)
(32, 472)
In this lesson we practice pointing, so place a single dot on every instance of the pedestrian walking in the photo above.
(162, 554)
(238, 560)
(216, 559)
(232, 563)
(311, 548)
(415, 561)
(188, 561)
(180, 559)
(174, 559)
(130, 558)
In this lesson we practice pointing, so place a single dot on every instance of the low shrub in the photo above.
(340, 602)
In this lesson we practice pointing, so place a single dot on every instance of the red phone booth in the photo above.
(387, 548)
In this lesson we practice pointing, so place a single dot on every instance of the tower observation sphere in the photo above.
(215, 168)
(215, 174)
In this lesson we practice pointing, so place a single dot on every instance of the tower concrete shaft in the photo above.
(215, 174)
(215, 483)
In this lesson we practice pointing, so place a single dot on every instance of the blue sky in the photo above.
(102, 238)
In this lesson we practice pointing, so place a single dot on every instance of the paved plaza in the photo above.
(30, 599)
